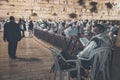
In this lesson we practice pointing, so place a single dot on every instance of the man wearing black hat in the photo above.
(12, 35)
(101, 39)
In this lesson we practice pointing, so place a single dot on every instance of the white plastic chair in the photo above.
(101, 62)
(55, 54)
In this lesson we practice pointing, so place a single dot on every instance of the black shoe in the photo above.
(14, 57)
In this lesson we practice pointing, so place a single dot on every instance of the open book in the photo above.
(84, 41)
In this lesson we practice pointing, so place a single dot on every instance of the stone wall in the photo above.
(52, 9)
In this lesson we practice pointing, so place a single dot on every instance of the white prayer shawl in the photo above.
(86, 53)
(70, 31)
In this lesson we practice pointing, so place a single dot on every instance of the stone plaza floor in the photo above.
(33, 63)
(35, 60)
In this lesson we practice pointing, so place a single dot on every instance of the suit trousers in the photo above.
(12, 46)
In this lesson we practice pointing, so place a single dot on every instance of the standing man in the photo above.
(22, 26)
(30, 28)
(12, 35)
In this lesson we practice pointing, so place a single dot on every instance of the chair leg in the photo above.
(61, 75)
(107, 72)
(55, 73)
(104, 74)
(78, 75)
(78, 78)
(68, 75)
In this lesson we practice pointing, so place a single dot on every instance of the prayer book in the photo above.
(84, 41)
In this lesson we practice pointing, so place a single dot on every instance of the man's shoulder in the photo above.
(6, 24)
(16, 23)
(95, 39)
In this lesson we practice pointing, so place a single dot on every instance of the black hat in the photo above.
(11, 18)
(101, 27)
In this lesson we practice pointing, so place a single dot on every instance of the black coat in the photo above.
(12, 31)
(30, 25)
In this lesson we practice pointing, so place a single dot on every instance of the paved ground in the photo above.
(33, 63)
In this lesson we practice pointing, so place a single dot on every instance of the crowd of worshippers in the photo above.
(77, 27)
(67, 28)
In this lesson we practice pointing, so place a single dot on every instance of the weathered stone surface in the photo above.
(45, 9)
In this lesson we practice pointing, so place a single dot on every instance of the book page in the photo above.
(84, 41)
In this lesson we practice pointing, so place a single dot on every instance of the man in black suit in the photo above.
(12, 35)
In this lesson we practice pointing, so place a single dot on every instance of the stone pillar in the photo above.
(115, 66)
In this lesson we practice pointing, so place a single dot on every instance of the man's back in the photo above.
(11, 31)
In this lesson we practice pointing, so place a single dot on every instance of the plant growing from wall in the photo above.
(109, 5)
(73, 15)
(12, 5)
(94, 7)
(54, 14)
(34, 14)
(7, 13)
(93, 3)
(81, 3)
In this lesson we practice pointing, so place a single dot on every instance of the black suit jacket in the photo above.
(12, 32)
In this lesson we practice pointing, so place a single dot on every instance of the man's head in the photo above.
(98, 28)
(11, 18)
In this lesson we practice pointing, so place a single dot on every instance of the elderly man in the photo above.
(100, 39)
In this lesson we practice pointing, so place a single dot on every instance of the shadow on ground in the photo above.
(29, 59)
